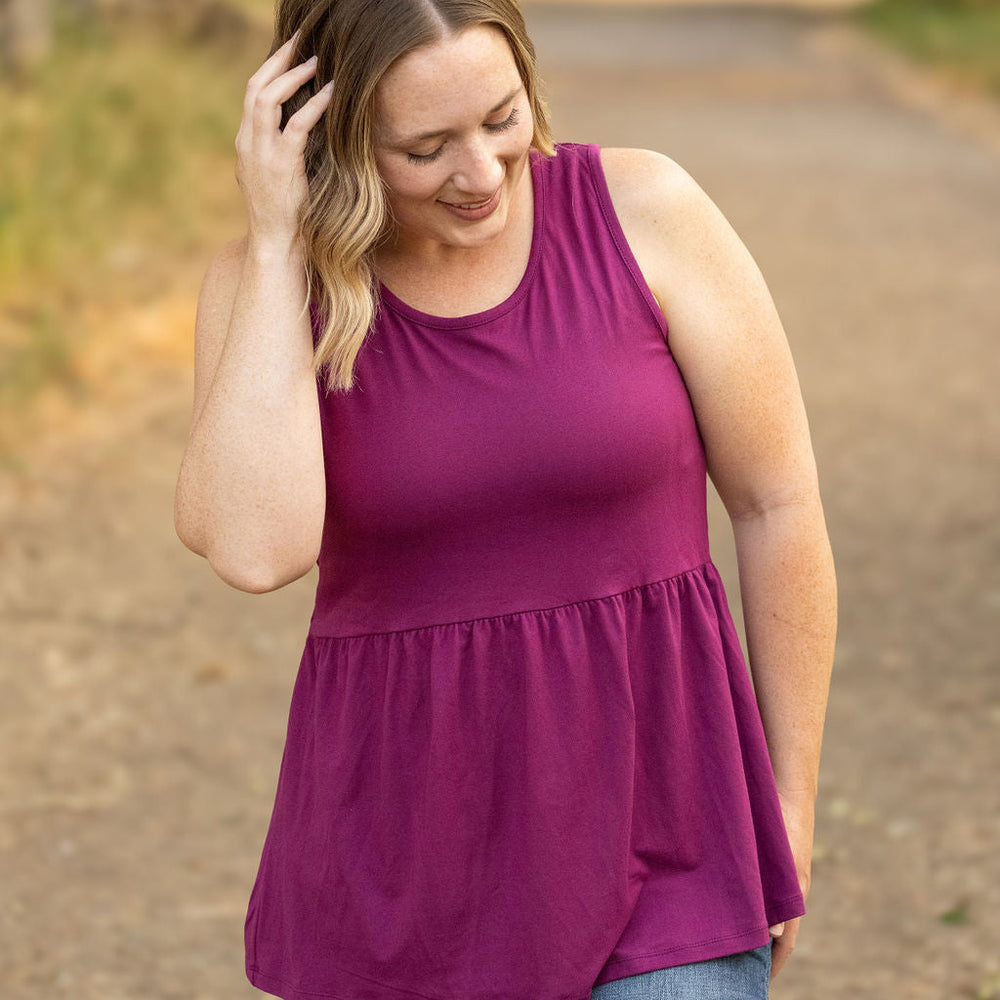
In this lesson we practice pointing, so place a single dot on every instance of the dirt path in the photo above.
(142, 702)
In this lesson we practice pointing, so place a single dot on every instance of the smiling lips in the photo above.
(478, 210)
(473, 204)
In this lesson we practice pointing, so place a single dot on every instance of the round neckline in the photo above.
(487, 315)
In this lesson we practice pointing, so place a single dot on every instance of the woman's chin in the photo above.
(446, 227)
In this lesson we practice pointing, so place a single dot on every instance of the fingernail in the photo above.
(777, 929)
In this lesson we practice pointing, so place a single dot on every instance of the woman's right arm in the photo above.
(251, 491)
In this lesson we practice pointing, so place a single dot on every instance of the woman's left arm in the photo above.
(729, 343)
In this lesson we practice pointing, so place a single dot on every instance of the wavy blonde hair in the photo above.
(346, 216)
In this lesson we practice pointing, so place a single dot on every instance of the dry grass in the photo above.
(116, 174)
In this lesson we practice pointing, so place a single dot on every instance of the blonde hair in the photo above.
(346, 216)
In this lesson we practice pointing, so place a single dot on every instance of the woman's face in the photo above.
(453, 127)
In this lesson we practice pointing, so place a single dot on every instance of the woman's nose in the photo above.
(480, 174)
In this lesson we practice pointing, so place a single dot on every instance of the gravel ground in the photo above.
(143, 703)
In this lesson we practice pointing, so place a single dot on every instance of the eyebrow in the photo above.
(413, 139)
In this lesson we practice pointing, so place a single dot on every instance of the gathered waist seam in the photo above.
(313, 633)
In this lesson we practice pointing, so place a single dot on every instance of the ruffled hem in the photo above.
(521, 806)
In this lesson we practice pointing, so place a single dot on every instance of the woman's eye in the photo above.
(417, 158)
(509, 122)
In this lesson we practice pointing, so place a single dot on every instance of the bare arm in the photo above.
(730, 345)
(251, 493)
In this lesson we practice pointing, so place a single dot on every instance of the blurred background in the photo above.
(854, 146)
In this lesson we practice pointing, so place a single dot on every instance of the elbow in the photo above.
(185, 526)
(253, 565)
(258, 576)
(240, 569)
(755, 507)
(249, 579)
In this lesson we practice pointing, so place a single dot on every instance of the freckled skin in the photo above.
(453, 85)
(729, 343)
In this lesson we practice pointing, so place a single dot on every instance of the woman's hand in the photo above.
(271, 164)
(799, 816)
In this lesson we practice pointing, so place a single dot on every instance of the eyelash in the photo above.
(509, 122)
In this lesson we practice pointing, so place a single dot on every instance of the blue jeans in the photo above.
(743, 976)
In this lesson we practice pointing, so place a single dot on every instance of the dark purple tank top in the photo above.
(523, 753)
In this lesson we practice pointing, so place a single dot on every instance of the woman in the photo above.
(524, 757)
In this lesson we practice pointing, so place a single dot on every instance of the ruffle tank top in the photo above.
(523, 753)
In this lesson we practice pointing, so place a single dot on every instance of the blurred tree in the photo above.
(26, 26)
(25, 35)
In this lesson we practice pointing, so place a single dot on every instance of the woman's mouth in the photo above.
(475, 210)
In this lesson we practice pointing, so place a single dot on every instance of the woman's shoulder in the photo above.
(646, 182)
(625, 167)
(661, 210)
(650, 191)
(632, 160)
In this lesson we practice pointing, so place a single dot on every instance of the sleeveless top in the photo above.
(523, 753)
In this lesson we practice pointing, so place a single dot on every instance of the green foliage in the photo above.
(107, 140)
(111, 153)
(958, 914)
(957, 37)
(41, 356)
